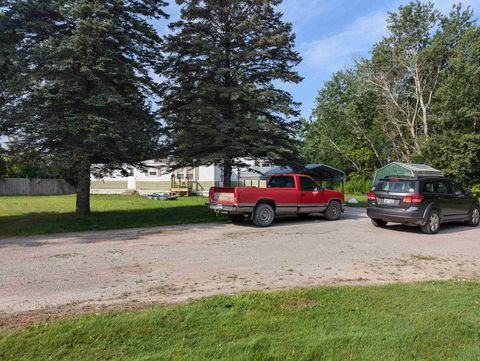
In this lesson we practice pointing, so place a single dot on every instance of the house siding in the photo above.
(110, 184)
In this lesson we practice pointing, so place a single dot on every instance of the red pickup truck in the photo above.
(286, 194)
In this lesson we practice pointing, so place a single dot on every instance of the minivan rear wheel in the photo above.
(379, 223)
(433, 223)
(474, 219)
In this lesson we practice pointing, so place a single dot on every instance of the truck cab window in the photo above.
(308, 185)
(281, 182)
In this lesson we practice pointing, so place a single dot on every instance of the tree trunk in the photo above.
(83, 191)
(227, 173)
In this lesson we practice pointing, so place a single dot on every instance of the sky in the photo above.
(332, 33)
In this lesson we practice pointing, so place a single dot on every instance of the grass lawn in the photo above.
(361, 198)
(26, 215)
(29, 215)
(424, 321)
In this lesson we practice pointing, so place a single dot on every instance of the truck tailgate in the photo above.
(222, 195)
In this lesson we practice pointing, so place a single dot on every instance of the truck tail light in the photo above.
(235, 195)
(413, 198)
(372, 196)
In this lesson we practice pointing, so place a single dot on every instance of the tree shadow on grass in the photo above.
(49, 223)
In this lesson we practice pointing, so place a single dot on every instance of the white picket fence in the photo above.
(30, 187)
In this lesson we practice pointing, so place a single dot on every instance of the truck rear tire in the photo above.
(263, 215)
(334, 211)
(236, 218)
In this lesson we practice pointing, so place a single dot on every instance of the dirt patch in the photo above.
(134, 269)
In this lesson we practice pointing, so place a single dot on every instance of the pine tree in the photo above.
(224, 61)
(82, 82)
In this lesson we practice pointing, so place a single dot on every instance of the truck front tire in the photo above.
(334, 211)
(263, 215)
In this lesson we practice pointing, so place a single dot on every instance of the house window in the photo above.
(185, 173)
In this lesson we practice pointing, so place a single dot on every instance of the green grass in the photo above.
(27, 215)
(361, 198)
(425, 321)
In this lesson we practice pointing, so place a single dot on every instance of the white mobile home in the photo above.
(156, 178)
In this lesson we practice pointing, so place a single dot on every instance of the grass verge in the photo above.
(29, 215)
(361, 198)
(422, 321)
(32, 215)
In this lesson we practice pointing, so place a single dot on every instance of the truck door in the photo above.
(311, 196)
(285, 193)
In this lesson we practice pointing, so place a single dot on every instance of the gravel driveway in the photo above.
(174, 264)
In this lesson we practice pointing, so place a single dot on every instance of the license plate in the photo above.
(388, 201)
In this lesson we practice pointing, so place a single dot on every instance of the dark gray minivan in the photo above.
(424, 201)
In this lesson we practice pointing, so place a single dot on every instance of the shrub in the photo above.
(358, 184)
(476, 190)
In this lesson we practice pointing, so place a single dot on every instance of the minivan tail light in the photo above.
(372, 196)
(413, 198)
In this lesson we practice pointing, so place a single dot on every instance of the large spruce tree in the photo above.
(79, 82)
(225, 60)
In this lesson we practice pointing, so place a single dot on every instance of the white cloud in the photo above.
(299, 12)
(337, 51)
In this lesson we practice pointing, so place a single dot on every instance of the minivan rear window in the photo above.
(396, 187)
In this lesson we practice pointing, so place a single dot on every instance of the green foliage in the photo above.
(343, 132)
(223, 59)
(415, 100)
(358, 184)
(458, 155)
(476, 190)
(419, 321)
(79, 85)
(3, 164)
(19, 161)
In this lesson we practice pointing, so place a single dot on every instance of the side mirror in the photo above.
(469, 193)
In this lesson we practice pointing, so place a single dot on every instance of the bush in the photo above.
(358, 184)
(476, 190)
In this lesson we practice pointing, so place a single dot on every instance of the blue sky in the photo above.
(331, 33)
